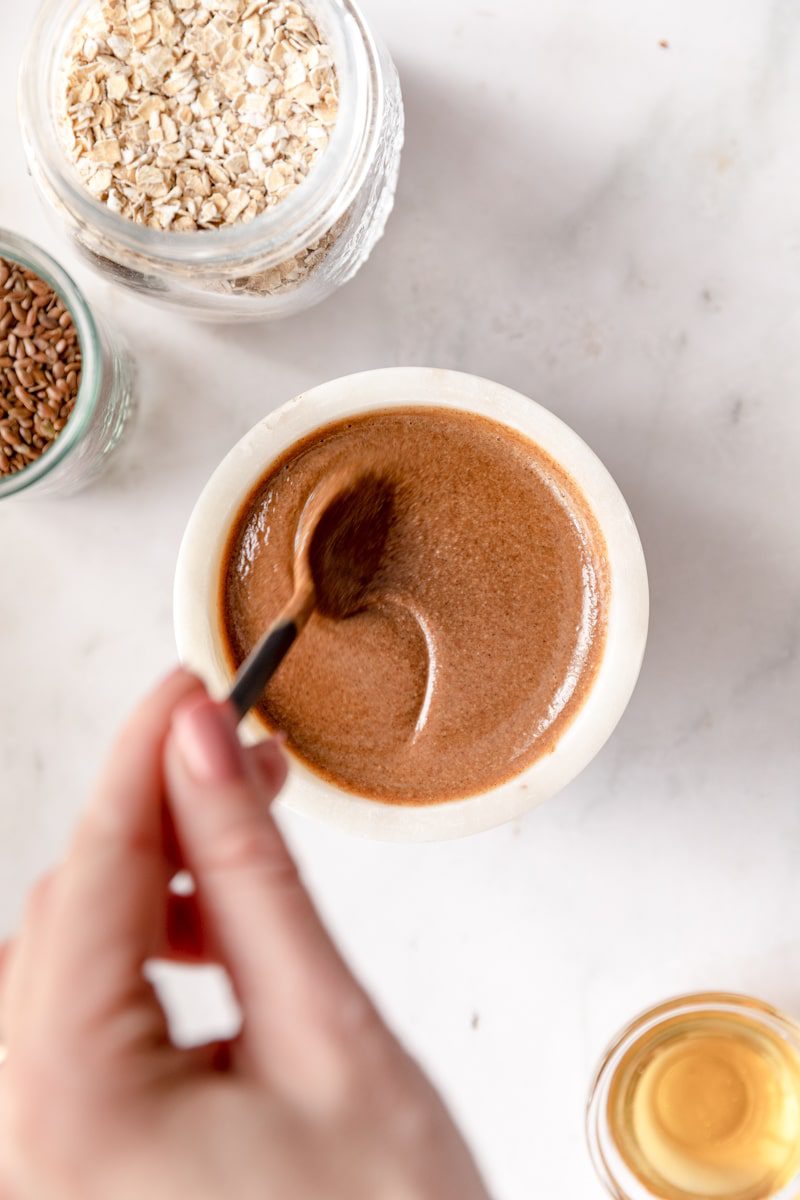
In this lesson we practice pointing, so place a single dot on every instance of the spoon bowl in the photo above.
(339, 545)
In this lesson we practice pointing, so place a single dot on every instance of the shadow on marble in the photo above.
(461, 248)
(191, 411)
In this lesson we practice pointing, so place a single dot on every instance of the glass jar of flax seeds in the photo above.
(66, 381)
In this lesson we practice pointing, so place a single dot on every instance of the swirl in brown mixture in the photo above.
(481, 633)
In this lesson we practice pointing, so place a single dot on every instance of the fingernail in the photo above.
(270, 752)
(272, 764)
(206, 738)
(272, 747)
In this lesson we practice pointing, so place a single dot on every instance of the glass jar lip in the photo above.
(597, 1130)
(303, 217)
(28, 254)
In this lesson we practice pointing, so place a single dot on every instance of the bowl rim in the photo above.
(205, 539)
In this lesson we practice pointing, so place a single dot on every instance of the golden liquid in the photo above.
(708, 1105)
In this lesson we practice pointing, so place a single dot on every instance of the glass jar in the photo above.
(105, 396)
(283, 261)
(700, 1097)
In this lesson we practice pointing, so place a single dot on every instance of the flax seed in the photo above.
(39, 358)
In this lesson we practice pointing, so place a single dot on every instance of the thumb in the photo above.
(295, 991)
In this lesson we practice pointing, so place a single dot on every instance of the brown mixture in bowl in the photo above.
(482, 630)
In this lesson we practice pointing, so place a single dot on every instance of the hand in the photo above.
(314, 1101)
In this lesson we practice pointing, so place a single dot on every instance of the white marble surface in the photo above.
(614, 228)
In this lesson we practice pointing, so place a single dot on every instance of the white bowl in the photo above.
(197, 584)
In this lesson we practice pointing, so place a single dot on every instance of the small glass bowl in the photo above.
(285, 260)
(612, 1169)
(105, 398)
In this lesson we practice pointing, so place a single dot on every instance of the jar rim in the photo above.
(610, 1167)
(18, 249)
(296, 222)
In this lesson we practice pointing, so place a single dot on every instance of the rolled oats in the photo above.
(196, 114)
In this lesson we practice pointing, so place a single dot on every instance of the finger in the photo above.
(261, 758)
(112, 887)
(294, 988)
(6, 954)
(187, 937)
(22, 979)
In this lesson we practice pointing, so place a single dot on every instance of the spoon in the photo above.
(340, 542)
